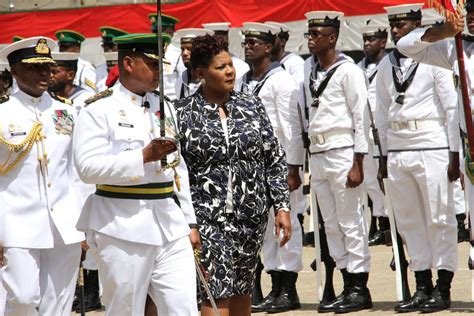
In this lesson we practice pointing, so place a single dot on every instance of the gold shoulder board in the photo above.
(90, 84)
(100, 95)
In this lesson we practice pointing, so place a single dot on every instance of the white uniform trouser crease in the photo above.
(341, 209)
(372, 186)
(420, 195)
(41, 277)
(129, 271)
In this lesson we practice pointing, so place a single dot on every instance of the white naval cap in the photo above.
(262, 31)
(4, 66)
(410, 11)
(219, 28)
(375, 30)
(187, 35)
(111, 56)
(29, 50)
(324, 18)
(281, 26)
(64, 56)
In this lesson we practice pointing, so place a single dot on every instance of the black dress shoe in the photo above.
(412, 305)
(438, 301)
(359, 297)
(288, 299)
(378, 239)
(328, 306)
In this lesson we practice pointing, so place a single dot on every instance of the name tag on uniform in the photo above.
(125, 125)
(17, 134)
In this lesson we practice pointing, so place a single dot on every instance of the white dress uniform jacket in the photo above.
(34, 205)
(338, 112)
(85, 75)
(111, 133)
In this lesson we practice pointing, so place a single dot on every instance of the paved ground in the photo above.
(381, 284)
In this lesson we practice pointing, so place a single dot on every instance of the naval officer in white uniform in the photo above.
(39, 205)
(133, 220)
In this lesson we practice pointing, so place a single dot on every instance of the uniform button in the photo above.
(151, 130)
(40, 114)
(51, 209)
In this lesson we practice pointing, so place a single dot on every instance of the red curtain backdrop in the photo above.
(134, 17)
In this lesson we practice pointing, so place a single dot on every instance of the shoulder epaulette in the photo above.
(90, 84)
(61, 99)
(100, 95)
(157, 93)
(4, 98)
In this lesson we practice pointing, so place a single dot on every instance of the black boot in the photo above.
(424, 288)
(91, 291)
(463, 233)
(274, 293)
(359, 295)
(379, 237)
(288, 298)
(257, 296)
(328, 307)
(440, 298)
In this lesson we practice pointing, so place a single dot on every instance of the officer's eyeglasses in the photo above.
(315, 34)
(251, 43)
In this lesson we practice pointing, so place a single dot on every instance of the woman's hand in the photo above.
(282, 221)
(195, 239)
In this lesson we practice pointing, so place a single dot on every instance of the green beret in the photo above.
(68, 36)
(142, 43)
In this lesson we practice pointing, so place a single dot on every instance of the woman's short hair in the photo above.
(205, 48)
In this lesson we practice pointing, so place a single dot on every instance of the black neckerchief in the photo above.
(271, 69)
(317, 91)
(401, 83)
(467, 38)
(372, 75)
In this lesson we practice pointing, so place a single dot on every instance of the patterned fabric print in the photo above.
(231, 240)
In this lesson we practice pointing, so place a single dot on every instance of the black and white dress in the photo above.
(232, 225)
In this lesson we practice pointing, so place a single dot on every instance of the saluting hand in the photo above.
(158, 149)
(283, 221)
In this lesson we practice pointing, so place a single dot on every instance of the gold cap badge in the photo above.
(42, 47)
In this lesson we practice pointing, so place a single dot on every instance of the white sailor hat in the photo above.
(432, 21)
(111, 56)
(265, 32)
(281, 26)
(375, 30)
(29, 50)
(220, 28)
(187, 35)
(65, 59)
(404, 12)
(4, 66)
(324, 18)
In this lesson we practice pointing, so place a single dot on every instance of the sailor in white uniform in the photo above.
(335, 88)
(175, 65)
(279, 93)
(417, 121)
(133, 221)
(39, 204)
(188, 81)
(374, 39)
(221, 29)
(70, 41)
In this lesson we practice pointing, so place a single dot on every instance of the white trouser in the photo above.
(128, 271)
(457, 203)
(41, 281)
(420, 193)
(341, 209)
(372, 186)
(288, 257)
(299, 202)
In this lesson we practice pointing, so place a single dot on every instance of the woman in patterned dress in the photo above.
(237, 174)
